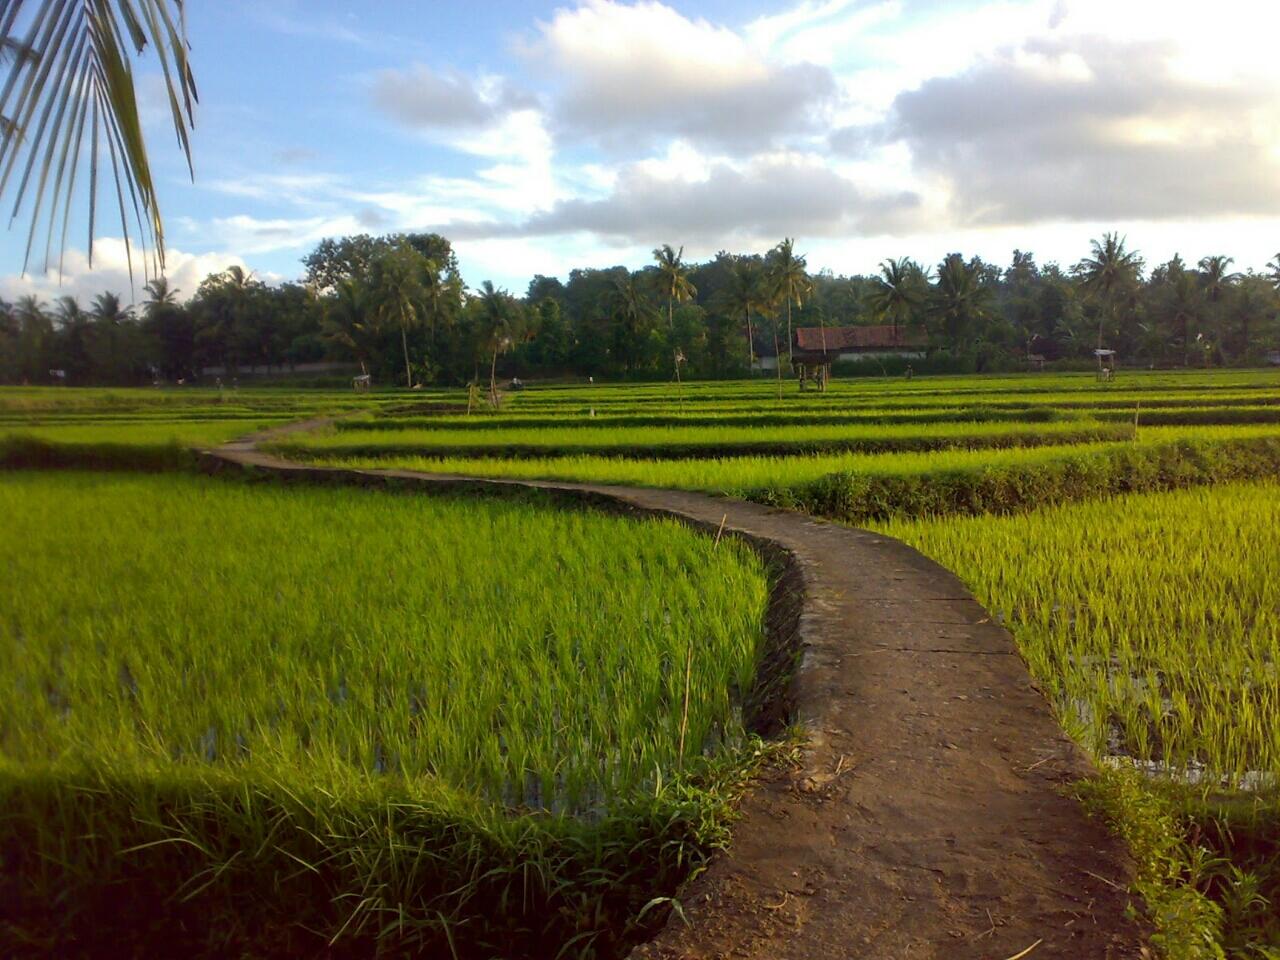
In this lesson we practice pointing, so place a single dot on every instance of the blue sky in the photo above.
(540, 137)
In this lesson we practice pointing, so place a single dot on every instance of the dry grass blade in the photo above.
(1022, 953)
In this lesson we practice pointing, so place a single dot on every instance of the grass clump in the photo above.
(1206, 866)
(1051, 475)
(250, 716)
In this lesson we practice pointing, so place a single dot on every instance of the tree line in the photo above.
(396, 306)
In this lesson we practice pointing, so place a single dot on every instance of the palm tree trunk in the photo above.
(822, 370)
(791, 359)
(404, 344)
(493, 378)
(679, 385)
(751, 345)
(778, 357)
(671, 315)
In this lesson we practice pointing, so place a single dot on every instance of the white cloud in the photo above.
(248, 234)
(1078, 127)
(870, 127)
(820, 32)
(288, 187)
(630, 75)
(110, 273)
(440, 100)
(757, 201)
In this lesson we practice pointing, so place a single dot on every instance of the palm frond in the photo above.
(73, 73)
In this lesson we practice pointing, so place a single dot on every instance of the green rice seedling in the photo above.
(858, 487)
(392, 721)
(122, 444)
(190, 432)
(681, 442)
(1154, 617)
(1153, 623)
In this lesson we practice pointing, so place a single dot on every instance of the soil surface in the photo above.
(929, 816)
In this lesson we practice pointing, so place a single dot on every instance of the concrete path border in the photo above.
(929, 816)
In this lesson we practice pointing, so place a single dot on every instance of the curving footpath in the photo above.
(928, 817)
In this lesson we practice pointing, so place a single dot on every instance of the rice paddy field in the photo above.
(364, 718)
(1126, 532)
(1152, 621)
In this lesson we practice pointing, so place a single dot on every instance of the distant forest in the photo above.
(396, 307)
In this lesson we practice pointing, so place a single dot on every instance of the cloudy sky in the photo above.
(540, 137)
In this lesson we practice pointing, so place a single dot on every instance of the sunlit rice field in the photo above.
(679, 441)
(855, 487)
(1153, 621)
(1124, 531)
(230, 686)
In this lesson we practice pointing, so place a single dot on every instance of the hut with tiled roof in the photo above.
(823, 346)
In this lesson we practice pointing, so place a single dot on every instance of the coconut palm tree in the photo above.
(1216, 276)
(434, 284)
(771, 311)
(398, 291)
(71, 107)
(789, 281)
(35, 336)
(1256, 300)
(497, 320)
(1185, 301)
(1274, 271)
(160, 295)
(109, 317)
(347, 321)
(170, 327)
(959, 299)
(897, 292)
(1217, 281)
(632, 314)
(675, 279)
(743, 295)
(1110, 271)
(30, 312)
(74, 334)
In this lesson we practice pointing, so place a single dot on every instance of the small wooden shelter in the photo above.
(1106, 363)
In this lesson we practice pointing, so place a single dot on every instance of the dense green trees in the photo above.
(396, 307)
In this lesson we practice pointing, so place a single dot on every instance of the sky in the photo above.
(540, 137)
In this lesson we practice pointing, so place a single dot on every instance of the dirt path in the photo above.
(928, 817)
